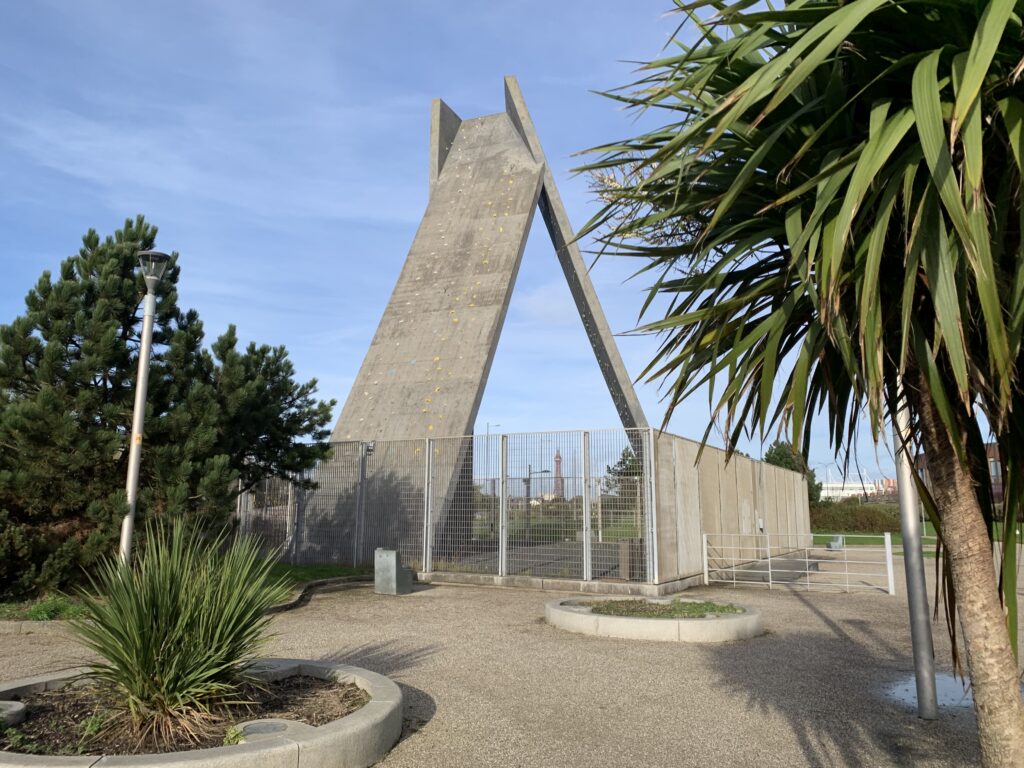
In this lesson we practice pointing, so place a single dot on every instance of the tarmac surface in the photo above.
(488, 683)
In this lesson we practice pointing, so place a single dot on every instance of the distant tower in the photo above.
(559, 482)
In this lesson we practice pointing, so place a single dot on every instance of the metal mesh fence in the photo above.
(568, 505)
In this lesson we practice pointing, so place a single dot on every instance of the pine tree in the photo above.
(67, 381)
(781, 453)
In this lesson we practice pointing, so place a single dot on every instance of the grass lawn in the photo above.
(868, 539)
(298, 574)
(42, 609)
(877, 539)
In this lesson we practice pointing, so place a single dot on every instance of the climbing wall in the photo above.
(426, 369)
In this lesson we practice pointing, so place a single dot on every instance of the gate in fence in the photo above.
(819, 562)
(573, 505)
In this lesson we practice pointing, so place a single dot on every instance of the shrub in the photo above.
(852, 516)
(176, 632)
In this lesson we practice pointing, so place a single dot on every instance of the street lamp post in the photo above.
(153, 264)
(528, 481)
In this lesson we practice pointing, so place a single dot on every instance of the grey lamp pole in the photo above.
(913, 564)
(153, 264)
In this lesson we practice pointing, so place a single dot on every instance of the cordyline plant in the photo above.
(176, 631)
(852, 174)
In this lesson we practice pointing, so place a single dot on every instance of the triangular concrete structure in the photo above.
(425, 372)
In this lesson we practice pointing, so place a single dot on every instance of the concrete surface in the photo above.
(735, 503)
(575, 615)
(488, 683)
(11, 713)
(428, 363)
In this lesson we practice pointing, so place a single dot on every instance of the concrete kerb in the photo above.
(548, 584)
(575, 615)
(306, 590)
(356, 741)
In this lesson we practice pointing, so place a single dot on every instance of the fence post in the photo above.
(650, 499)
(357, 538)
(428, 460)
(888, 563)
(768, 549)
(291, 524)
(503, 509)
(704, 549)
(588, 563)
(807, 562)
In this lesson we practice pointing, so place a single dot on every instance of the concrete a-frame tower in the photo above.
(426, 370)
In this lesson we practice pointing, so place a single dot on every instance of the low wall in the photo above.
(743, 497)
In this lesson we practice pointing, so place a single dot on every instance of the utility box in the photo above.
(389, 576)
(837, 544)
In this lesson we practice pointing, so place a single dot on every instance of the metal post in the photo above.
(428, 449)
(704, 546)
(807, 563)
(891, 582)
(650, 504)
(138, 416)
(846, 565)
(357, 532)
(588, 564)
(298, 528)
(503, 510)
(529, 510)
(913, 563)
(290, 516)
(768, 549)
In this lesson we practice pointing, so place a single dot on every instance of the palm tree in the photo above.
(850, 172)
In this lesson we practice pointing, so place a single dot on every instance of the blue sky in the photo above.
(282, 150)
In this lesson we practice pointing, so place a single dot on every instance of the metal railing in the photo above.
(572, 504)
(821, 562)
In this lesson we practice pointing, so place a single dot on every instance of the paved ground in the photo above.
(488, 683)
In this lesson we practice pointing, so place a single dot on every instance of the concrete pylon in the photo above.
(425, 372)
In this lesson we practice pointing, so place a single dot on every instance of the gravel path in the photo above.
(487, 682)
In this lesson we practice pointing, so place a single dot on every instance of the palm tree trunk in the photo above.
(990, 660)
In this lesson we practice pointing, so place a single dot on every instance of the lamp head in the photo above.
(153, 264)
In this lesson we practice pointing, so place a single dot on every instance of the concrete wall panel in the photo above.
(690, 555)
(669, 511)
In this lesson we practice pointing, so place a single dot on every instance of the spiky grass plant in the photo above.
(176, 631)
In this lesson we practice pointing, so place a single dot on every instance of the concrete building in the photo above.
(408, 473)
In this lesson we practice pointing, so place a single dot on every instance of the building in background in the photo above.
(995, 469)
(858, 487)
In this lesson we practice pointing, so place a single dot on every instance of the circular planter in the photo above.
(575, 615)
(357, 740)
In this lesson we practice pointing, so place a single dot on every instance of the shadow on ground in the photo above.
(827, 686)
(386, 658)
(418, 708)
(389, 659)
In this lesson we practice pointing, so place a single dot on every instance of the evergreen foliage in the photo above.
(622, 479)
(67, 383)
(845, 180)
(781, 453)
